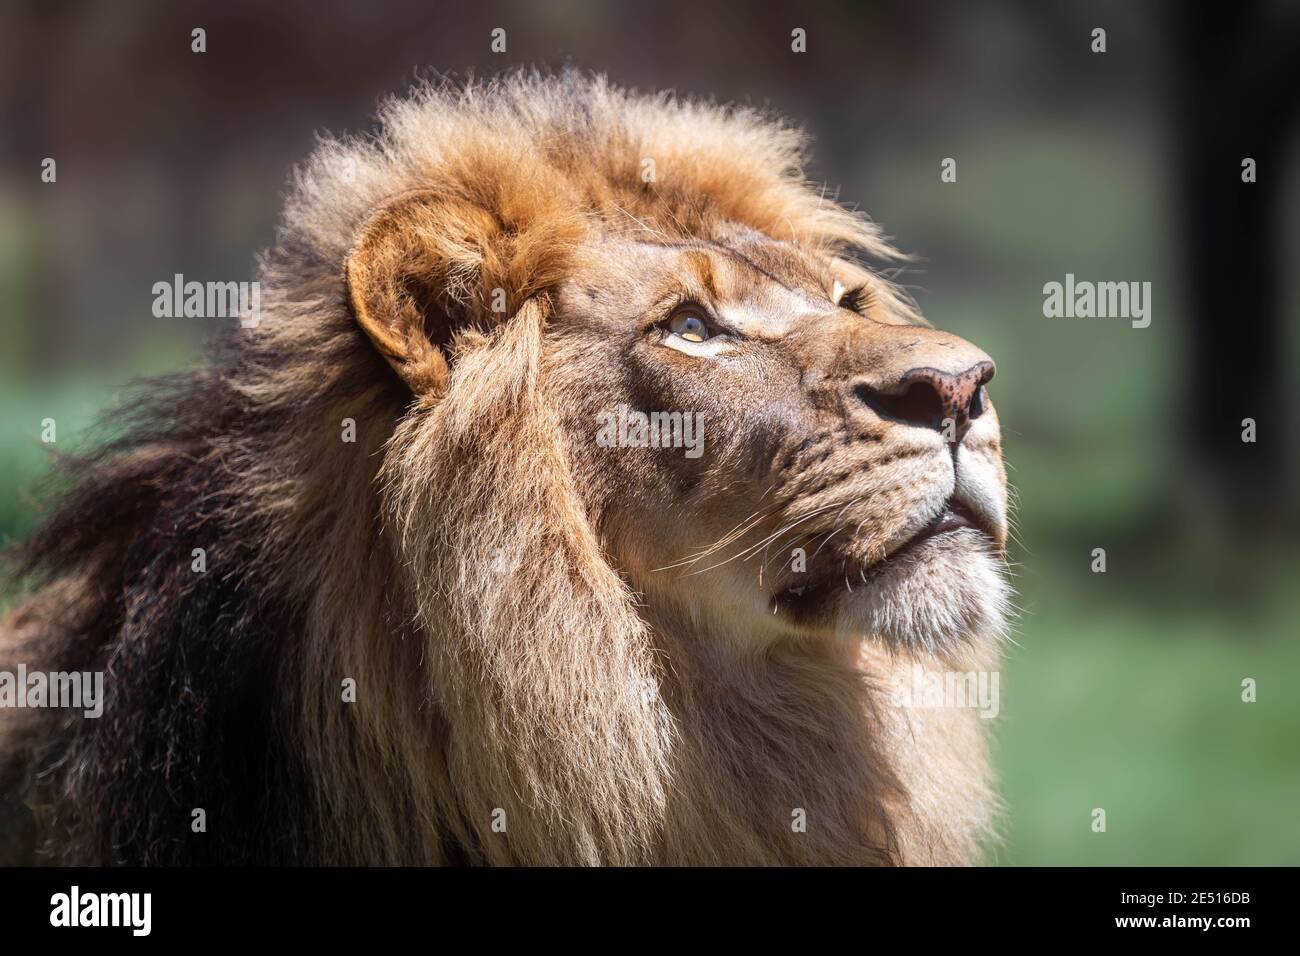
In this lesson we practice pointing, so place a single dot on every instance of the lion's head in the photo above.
(731, 387)
(655, 485)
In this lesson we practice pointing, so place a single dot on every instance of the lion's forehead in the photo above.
(750, 276)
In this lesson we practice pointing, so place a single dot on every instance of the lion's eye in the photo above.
(856, 300)
(689, 326)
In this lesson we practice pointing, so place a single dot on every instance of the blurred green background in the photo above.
(1123, 690)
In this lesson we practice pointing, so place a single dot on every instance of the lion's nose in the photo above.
(929, 398)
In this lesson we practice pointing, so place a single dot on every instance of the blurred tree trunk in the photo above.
(1237, 72)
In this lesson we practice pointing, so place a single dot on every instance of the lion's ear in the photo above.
(410, 278)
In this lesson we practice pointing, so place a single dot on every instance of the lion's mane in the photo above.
(442, 561)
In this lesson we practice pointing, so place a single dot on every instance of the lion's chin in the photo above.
(947, 590)
(944, 592)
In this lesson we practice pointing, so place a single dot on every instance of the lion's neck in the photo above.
(798, 753)
(775, 760)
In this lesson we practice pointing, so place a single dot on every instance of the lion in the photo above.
(381, 582)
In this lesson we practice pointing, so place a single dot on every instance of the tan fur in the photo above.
(495, 584)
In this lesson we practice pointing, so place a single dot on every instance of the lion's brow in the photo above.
(715, 246)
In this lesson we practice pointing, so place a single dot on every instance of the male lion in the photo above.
(435, 620)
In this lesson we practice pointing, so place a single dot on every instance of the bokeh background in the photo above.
(1123, 690)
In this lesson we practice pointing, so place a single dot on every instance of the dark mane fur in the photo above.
(203, 659)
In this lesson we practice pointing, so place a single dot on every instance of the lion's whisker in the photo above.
(750, 550)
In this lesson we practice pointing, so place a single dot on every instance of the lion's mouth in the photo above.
(954, 517)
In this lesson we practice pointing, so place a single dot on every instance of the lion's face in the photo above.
(836, 469)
